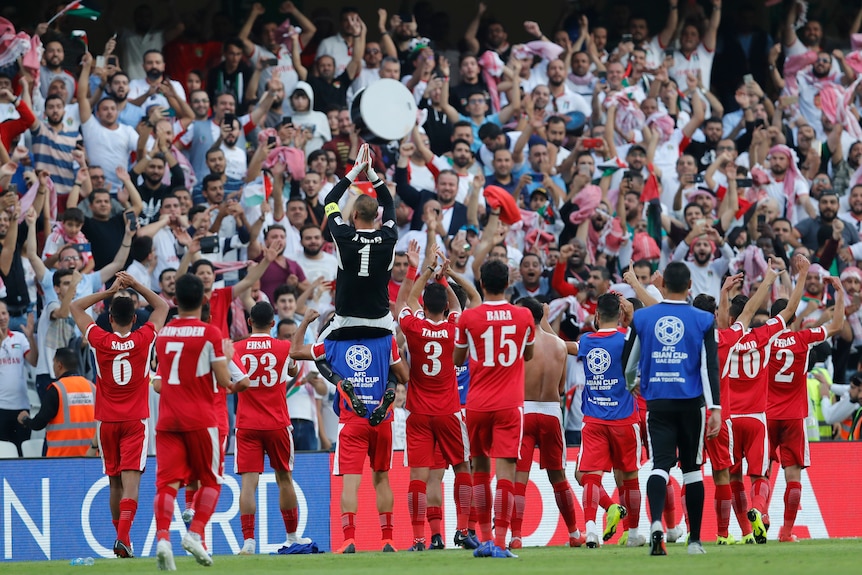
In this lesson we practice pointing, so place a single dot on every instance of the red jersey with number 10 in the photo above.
(746, 368)
(496, 334)
(788, 373)
(186, 349)
(122, 372)
(432, 370)
(264, 404)
(727, 338)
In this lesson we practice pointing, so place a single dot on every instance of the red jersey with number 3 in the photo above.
(496, 334)
(746, 368)
(186, 349)
(122, 372)
(432, 370)
(264, 404)
(788, 373)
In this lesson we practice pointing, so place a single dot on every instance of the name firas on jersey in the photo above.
(784, 342)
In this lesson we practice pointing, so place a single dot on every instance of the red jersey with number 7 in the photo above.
(788, 373)
(122, 372)
(264, 404)
(746, 369)
(186, 349)
(496, 334)
(433, 383)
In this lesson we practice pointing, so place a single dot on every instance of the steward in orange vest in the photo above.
(68, 410)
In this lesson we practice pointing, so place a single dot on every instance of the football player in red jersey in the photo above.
(191, 366)
(263, 423)
(435, 421)
(787, 405)
(499, 337)
(122, 394)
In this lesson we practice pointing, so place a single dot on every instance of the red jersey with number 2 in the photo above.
(432, 370)
(496, 334)
(747, 371)
(788, 373)
(264, 404)
(186, 349)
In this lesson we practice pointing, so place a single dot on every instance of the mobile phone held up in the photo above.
(133, 220)
(591, 143)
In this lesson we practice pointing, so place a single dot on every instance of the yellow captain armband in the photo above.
(331, 209)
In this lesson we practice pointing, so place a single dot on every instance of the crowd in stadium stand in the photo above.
(711, 140)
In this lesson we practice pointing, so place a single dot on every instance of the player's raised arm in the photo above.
(80, 306)
(160, 306)
(341, 186)
(299, 349)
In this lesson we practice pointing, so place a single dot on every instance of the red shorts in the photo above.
(427, 434)
(545, 432)
(251, 444)
(495, 433)
(788, 442)
(718, 449)
(123, 445)
(356, 439)
(605, 447)
(749, 441)
(184, 455)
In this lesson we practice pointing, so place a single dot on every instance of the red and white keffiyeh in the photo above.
(630, 117)
(492, 68)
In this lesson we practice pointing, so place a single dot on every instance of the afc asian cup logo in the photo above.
(669, 330)
(358, 357)
(598, 360)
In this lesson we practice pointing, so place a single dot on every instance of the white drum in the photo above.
(386, 110)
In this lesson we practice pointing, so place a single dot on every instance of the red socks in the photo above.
(163, 509)
(518, 512)
(205, 503)
(630, 497)
(723, 497)
(670, 506)
(190, 497)
(435, 519)
(416, 505)
(247, 523)
(504, 502)
(348, 525)
(291, 519)
(463, 498)
(760, 494)
(594, 496)
(482, 501)
(565, 499)
(116, 523)
(792, 497)
(740, 506)
(128, 507)
(386, 525)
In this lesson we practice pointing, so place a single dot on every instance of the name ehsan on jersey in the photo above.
(122, 345)
(258, 344)
(182, 331)
(499, 315)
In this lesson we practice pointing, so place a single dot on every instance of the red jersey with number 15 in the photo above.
(186, 349)
(496, 334)
(122, 372)
(788, 373)
(746, 368)
(264, 404)
(432, 370)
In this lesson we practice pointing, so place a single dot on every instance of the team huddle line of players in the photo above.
(485, 383)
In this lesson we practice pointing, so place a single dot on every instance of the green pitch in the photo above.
(809, 557)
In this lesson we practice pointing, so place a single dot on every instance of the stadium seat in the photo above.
(8, 450)
(32, 447)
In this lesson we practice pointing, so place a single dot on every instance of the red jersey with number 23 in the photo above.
(186, 349)
(264, 404)
(432, 370)
(122, 372)
(747, 371)
(496, 334)
(788, 373)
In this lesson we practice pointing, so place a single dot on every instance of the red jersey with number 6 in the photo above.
(432, 370)
(788, 373)
(186, 349)
(122, 372)
(746, 369)
(496, 334)
(264, 404)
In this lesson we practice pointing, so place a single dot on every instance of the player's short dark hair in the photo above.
(534, 306)
(193, 269)
(435, 298)
(495, 277)
(261, 315)
(779, 306)
(608, 307)
(705, 302)
(677, 277)
(68, 358)
(366, 208)
(123, 310)
(737, 304)
(190, 291)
